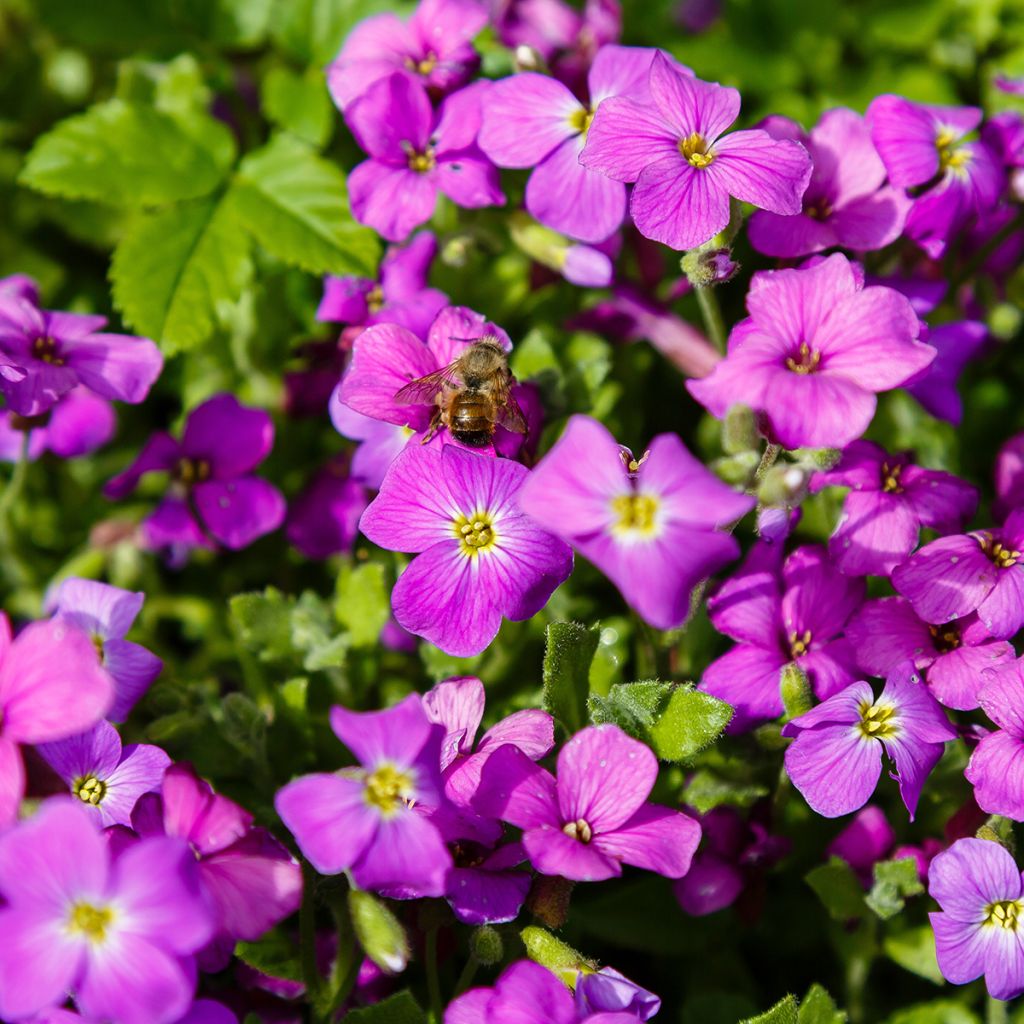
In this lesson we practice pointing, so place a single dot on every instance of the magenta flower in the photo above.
(889, 501)
(379, 441)
(652, 525)
(812, 354)
(797, 620)
(106, 613)
(952, 657)
(480, 557)
(401, 296)
(362, 819)
(996, 768)
(433, 49)
(51, 686)
(836, 757)
(935, 387)
(414, 154)
(981, 571)
(847, 202)
(19, 286)
(607, 993)
(979, 888)
(685, 169)
(324, 519)
(864, 842)
(53, 352)
(533, 120)
(75, 920)
(77, 425)
(102, 775)
(594, 818)
(1009, 476)
(213, 495)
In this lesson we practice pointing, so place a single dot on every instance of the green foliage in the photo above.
(914, 950)
(363, 602)
(818, 1007)
(401, 1008)
(783, 1012)
(299, 103)
(567, 657)
(942, 1011)
(894, 881)
(838, 889)
(274, 953)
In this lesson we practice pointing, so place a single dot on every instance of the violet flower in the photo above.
(685, 169)
(996, 768)
(19, 286)
(1009, 476)
(836, 757)
(76, 920)
(594, 818)
(102, 775)
(816, 348)
(106, 613)
(533, 120)
(651, 524)
(480, 558)
(889, 501)
(362, 819)
(977, 932)
(796, 620)
(607, 991)
(847, 202)
(324, 519)
(952, 657)
(77, 425)
(935, 387)
(864, 842)
(379, 441)
(213, 495)
(414, 154)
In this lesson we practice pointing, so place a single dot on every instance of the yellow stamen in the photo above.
(580, 120)
(636, 514)
(375, 299)
(388, 789)
(475, 533)
(90, 921)
(89, 789)
(1004, 914)
(578, 829)
(422, 162)
(799, 645)
(878, 721)
(807, 361)
(192, 471)
(45, 350)
(695, 149)
(422, 67)
(1000, 557)
(891, 479)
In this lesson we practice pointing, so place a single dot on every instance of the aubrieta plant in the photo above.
(512, 512)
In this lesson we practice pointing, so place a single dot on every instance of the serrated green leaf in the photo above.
(818, 1007)
(295, 205)
(783, 1012)
(299, 103)
(691, 722)
(175, 267)
(838, 889)
(315, 633)
(567, 657)
(275, 954)
(894, 881)
(914, 950)
(128, 154)
(400, 1008)
(363, 602)
(264, 622)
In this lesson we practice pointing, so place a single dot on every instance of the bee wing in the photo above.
(510, 416)
(424, 390)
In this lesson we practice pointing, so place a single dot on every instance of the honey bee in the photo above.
(473, 395)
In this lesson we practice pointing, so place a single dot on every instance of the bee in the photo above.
(472, 395)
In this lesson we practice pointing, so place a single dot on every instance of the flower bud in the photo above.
(785, 484)
(736, 469)
(553, 954)
(706, 267)
(379, 932)
(819, 458)
(795, 690)
(548, 899)
(486, 945)
(739, 431)
(526, 58)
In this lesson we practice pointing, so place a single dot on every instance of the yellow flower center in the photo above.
(45, 350)
(421, 162)
(580, 120)
(475, 533)
(878, 721)
(819, 209)
(375, 299)
(945, 638)
(89, 789)
(805, 362)
(90, 921)
(635, 514)
(578, 829)
(1001, 557)
(891, 479)
(950, 156)
(695, 149)
(192, 471)
(422, 67)
(799, 645)
(1004, 914)
(387, 788)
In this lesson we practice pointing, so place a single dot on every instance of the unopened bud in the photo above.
(455, 251)
(548, 899)
(379, 932)
(736, 469)
(526, 58)
(706, 267)
(769, 737)
(555, 955)
(784, 485)
(486, 945)
(819, 458)
(795, 690)
(739, 431)
(1004, 320)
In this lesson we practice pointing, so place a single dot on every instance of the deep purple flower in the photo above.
(979, 888)
(812, 354)
(414, 154)
(935, 387)
(1009, 476)
(607, 991)
(433, 49)
(379, 441)
(981, 571)
(889, 501)
(836, 757)
(533, 120)
(52, 352)
(847, 202)
(19, 286)
(324, 519)
(77, 425)
(119, 935)
(996, 768)
(796, 620)
(362, 819)
(952, 657)
(213, 494)
(685, 169)
(594, 818)
(106, 613)
(864, 842)
(1004, 134)
(102, 775)
(480, 558)
(652, 524)
(400, 296)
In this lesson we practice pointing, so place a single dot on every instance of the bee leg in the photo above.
(434, 427)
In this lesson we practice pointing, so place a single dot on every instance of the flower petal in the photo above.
(654, 838)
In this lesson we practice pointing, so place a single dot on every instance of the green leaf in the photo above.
(263, 622)
(894, 880)
(128, 154)
(818, 1007)
(914, 950)
(838, 889)
(783, 1012)
(275, 954)
(379, 932)
(174, 268)
(299, 103)
(400, 1008)
(941, 1012)
(706, 790)
(314, 632)
(296, 206)
(567, 657)
(312, 31)
(691, 722)
(363, 602)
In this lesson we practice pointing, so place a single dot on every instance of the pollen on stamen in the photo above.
(475, 533)
(90, 921)
(695, 149)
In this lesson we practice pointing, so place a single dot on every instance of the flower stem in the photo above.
(995, 1011)
(467, 975)
(768, 458)
(710, 310)
(433, 980)
(8, 501)
(307, 933)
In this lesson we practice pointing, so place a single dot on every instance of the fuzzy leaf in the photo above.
(298, 103)
(273, 954)
(838, 889)
(914, 950)
(945, 1011)
(783, 1012)
(818, 1007)
(894, 880)
(400, 1008)
(263, 622)
(363, 602)
(706, 791)
(691, 722)
(567, 657)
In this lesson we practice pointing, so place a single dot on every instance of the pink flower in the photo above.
(996, 768)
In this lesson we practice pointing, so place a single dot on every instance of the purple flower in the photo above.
(533, 120)
(812, 354)
(213, 494)
(324, 519)
(379, 441)
(952, 657)
(433, 48)
(607, 991)
(206, 1011)
(362, 819)
(106, 613)
(981, 571)
(864, 842)
(652, 525)
(685, 169)
(890, 499)
(1009, 476)
(414, 154)
(835, 759)
(979, 888)
(52, 352)
(594, 818)
(480, 557)
(798, 620)
(401, 296)
(955, 344)
(847, 202)
(19, 286)
(1004, 134)
(996, 768)
(77, 425)
(102, 775)
(118, 935)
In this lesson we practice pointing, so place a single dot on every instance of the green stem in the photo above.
(467, 975)
(996, 1011)
(712, 314)
(768, 459)
(8, 500)
(856, 979)
(433, 978)
(307, 934)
